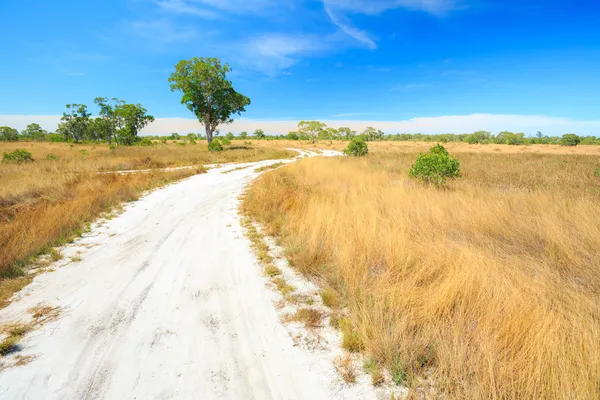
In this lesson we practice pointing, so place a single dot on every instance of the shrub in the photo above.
(145, 142)
(357, 147)
(225, 141)
(51, 157)
(18, 156)
(229, 136)
(570, 139)
(435, 166)
(215, 146)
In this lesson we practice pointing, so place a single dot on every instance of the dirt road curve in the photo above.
(166, 303)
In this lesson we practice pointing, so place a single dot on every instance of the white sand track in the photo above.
(166, 303)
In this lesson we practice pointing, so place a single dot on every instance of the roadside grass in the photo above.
(269, 167)
(490, 284)
(310, 317)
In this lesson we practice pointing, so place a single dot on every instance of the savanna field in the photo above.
(47, 202)
(486, 288)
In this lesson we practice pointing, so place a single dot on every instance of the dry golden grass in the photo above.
(492, 284)
(45, 203)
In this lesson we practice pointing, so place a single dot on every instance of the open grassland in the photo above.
(45, 202)
(490, 287)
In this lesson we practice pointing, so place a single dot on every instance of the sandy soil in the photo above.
(164, 301)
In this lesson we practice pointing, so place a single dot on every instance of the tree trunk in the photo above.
(209, 134)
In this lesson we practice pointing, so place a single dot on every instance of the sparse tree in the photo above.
(259, 134)
(311, 129)
(346, 133)
(8, 134)
(243, 135)
(207, 92)
(134, 118)
(76, 120)
(34, 132)
(112, 122)
(371, 134)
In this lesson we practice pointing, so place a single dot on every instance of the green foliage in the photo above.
(346, 133)
(207, 92)
(311, 129)
(259, 134)
(52, 157)
(229, 136)
(145, 142)
(371, 134)
(292, 136)
(597, 172)
(18, 156)
(134, 117)
(8, 134)
(163, 140)
(84, 154)
(225, 141)
(243, 135)
(435, 166)
(480, 137)
(75, 122)
(398, 372)
(34, 132)
(570, 139)
(215, 146)
(357, 147)
(514, 139)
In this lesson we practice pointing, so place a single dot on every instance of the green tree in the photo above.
(371, 134)
(229, 136)
(259, 134)
(292, 136)
(207, 92)
(346, 133)
(479, 137)
(111, 120)
(311, 129)
(76, 120)
(34, 132)
(8, 134)
(243, 135)
(134, 118)
(570, 139)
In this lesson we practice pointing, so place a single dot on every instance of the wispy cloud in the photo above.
(410, 87)
(272, 53)
(339, 12)
(184, 7)
(162, 31)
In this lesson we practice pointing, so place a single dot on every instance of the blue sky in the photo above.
(410, 65)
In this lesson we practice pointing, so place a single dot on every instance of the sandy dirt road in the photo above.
(166, 303)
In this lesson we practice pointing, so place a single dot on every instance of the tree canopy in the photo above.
(207, 92)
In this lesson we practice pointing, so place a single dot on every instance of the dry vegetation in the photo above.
(490, 286)
(44, 203)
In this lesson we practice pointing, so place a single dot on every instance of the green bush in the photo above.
(570, 139)
(357, 147)
(435, 166)
(52, 157)
(225, 141)
(215, 146)
(145, 142)
(18, 156)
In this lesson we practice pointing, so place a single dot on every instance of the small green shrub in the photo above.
(84, 153)
(215, 146)
(145, 142)
(182, 144)
(225, 141)
(398, 372)
(52, 157)
(163, 140)
(357, 147)
(112, 148)
(191, 141)
(597, 172)
(435, 166)
(18, 156)
(570, 139)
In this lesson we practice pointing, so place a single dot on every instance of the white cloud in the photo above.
(183, 7)
(272, 53)
(162, 31)
(338, 11)
(528, 124)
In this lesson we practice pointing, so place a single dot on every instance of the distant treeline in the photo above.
(117, 121)
(121, 122)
